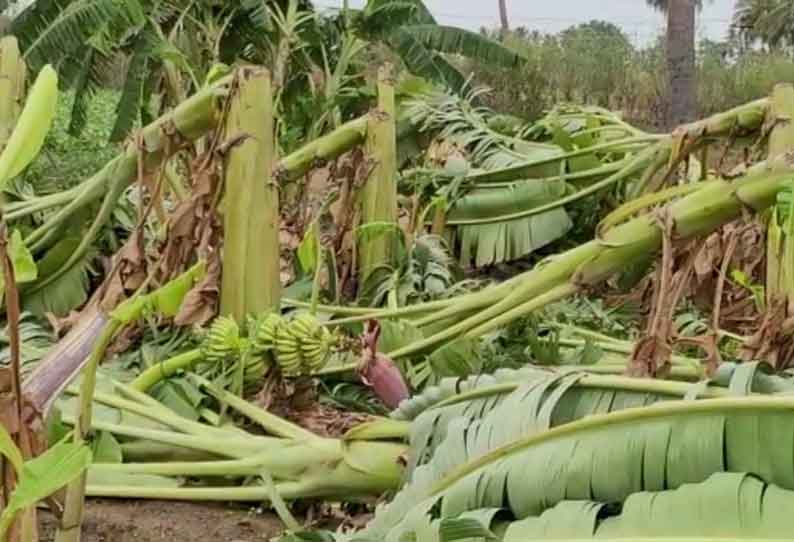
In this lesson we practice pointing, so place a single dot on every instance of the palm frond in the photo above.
(52, 30)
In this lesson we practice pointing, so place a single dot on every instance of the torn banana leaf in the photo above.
(488, 232)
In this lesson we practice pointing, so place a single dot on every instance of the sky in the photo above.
(640, 23)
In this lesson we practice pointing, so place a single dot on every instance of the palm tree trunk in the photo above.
(681, 62)
(503, 16)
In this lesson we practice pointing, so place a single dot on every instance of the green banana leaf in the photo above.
(40, 477)
(32, 127)
(474, 398)
(727, 507)
(514, 459)
(741, 379)
(486, 233)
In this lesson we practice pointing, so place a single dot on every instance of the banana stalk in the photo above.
(251, 283)
(301, 464)
(379, 195)
(780, 252)
(319, 151)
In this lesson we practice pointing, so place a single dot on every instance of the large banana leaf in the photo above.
(513, 459)
(422, 61)
(739, 379)
(487, 231)
(568, 397)
(726, 507)
(456, 41)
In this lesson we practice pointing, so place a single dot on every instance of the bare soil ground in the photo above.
(150, 521)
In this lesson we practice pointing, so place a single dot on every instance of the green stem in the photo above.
(165, 369)
(553, 295)
(626, 210)
(599, 171)
(273, 424)
(229, 446)
(72, 519)
(522, 170)
(696, 214)
(14, 211)
(637, 164)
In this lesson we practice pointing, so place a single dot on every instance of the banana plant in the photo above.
(528, 466)
(422, 271)
(39, 478)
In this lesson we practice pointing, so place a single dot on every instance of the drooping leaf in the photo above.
(25, 269)
(43, 476)
(35, 339)
(9, 450)
(32, 127)
(181, 396)
(422, 61)
(128, 112)
(475, 397)
(398, 12)
(307, 251)
(51, 31)
(455, 359)
(375, 230)
(168, 299)
(69, 291)
(726, 507)
(395, 334)
(86, 82)
(490, 229)
(457, 41)
(520, 463)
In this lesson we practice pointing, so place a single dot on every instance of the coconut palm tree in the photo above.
(503, 15)
(768, 21)
(682, 97)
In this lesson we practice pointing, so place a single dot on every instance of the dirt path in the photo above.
(150, 521)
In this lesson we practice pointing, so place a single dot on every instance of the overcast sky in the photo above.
(640, 22)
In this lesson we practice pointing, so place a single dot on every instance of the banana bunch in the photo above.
(222, 341)
(224, 348)
(300, 345)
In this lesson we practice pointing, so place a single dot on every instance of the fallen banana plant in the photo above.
(608, 457)
(564, 274)
(568, 395)
(300, 464)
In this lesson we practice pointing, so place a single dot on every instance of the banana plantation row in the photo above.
(571, 329)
